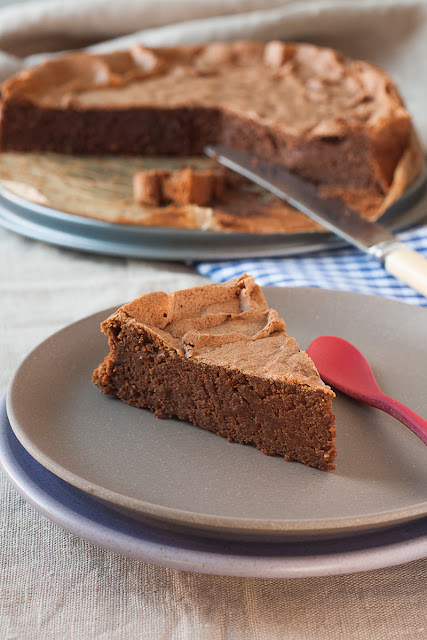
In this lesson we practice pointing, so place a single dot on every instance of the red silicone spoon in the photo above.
(341, 365)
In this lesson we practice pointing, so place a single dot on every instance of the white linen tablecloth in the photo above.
(54, 585)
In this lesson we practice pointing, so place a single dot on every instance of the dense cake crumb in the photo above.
(218, 357)
(338, 123)
(148, 187)
(183, 186)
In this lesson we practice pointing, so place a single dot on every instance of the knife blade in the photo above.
(403, 263)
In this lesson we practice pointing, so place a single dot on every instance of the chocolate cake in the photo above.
(182, 186)
(218, 357)
(337, 122)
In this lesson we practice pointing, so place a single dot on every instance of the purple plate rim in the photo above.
(81, 515)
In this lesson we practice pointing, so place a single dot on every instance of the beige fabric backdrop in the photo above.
(54, 585)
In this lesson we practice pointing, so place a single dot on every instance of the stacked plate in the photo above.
(92, 186)
(168, 493)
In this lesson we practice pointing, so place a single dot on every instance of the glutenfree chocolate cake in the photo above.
(336, 122)
(217, 356)
(182, 186)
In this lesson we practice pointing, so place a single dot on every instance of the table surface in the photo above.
(52, 583)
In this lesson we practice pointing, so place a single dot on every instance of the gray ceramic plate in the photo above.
(57, 227)
(182, 476)
(88, 518)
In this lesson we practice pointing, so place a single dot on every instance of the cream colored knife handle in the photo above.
(409, 266)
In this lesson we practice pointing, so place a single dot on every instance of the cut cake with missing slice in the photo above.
(335, 122)
(217, 356)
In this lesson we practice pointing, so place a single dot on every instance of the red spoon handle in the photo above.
(412, 420)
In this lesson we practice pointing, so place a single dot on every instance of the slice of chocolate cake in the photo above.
(217, 356)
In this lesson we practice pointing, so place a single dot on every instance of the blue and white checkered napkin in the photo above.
(340, 269)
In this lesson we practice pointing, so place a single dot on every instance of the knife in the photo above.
(401, 262)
